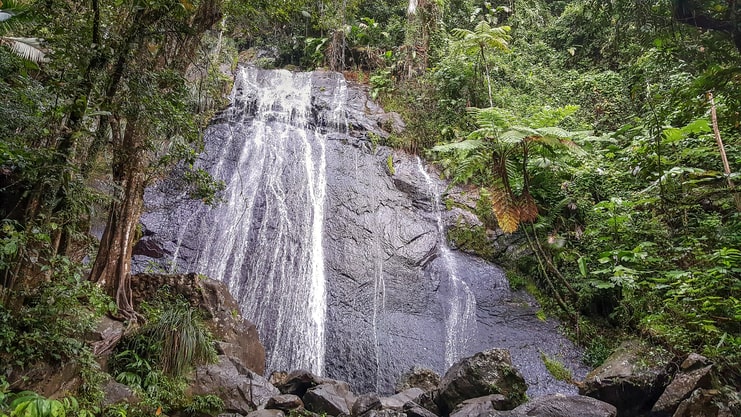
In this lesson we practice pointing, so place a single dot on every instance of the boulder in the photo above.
(694, 361)
(104, 337)
(241, 390)
(680, 389)
(428, 401)
(237, 337)
(331, 398)
(559, 405)
(50, 380)
(115, 393)
(704, 403)
(415, 410)
(385, 413)
(284, 402)
(480, 406)
(266, 413)
(485, 373)
(297, 382)
(365, 403)
(627, 381)
(423, 378)
(397, 402)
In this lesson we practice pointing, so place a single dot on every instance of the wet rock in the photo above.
(365, 403)
(704, 403)
(284, 402)
(241, 390)
(481, 406)
(332, 399)
(627, 381)
(425, 379)
(237, 337)
(397, 402)
(681, 387)
(565, 406)
(485, 373)
(115, 393)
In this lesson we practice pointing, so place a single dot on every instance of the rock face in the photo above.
(626, 381)
(237, 337)
(357, 285)
(486, 373)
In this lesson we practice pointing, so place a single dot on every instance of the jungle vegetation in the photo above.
(606, 135)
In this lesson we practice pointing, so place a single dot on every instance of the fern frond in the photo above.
(555, 132)
(528, 209)
(513, 136)
(465, 145)
(505, 209)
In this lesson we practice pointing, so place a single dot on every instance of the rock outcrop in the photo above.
(237, 337)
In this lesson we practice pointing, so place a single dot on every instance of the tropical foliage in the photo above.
(603, 135)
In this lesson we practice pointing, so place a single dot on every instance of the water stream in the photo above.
(273, 160)
(460, 322)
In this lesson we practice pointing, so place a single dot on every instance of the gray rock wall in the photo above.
(388, 289)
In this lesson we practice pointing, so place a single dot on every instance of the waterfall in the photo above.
(460, 323)
(412, 8)
(266, 240)
(343, 268)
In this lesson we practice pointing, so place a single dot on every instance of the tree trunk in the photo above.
(112, 267)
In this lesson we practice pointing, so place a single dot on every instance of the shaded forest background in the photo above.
(606, 134)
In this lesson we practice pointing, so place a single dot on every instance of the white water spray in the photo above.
(266, 240)
(460, 323)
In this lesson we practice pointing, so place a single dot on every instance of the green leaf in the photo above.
(582, 266)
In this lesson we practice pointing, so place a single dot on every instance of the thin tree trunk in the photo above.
(488, 77)
(722, 149)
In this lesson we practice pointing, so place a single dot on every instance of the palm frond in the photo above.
(26, 48)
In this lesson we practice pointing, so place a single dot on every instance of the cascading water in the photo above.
(460, 324)
(334, 246)
(273, 160)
